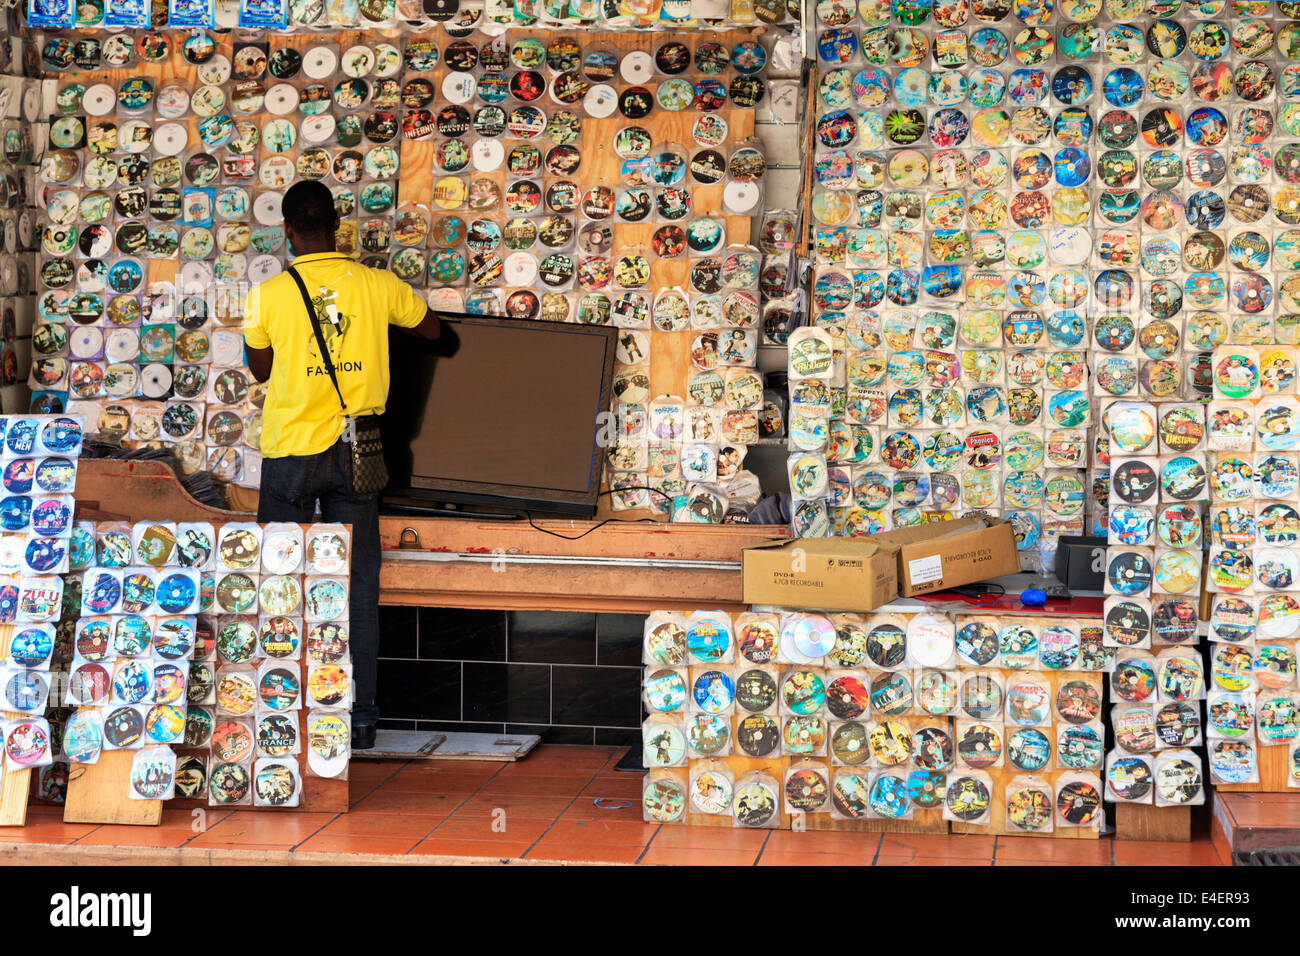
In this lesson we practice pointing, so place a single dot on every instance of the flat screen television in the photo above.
(510, 419)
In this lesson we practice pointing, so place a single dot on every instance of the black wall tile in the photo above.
(552, 637)
(446, 670)
(603, 696)
(605, 737)
(419, 690)
(618, 638)
(518, 693)
(397, 631)
(459, 634)
(554, 735)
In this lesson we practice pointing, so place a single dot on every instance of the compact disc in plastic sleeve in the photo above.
(99, 100)
(458, 87)
(266, 208)
(601, 101)
(227, 347)
(122, 380)
(196, 276)
(814, 636)
(282, 99)
(929, 643)
(328, 737)
(172, 102)
(31, 103)
(216, 71)
(520, 269)
(741, 198)
(155, 381)
(170, 139)
(487, 155)
(85, 342)
(181, 421)
(320, 62)
(637, 67)
(319, 129)
(263, 267)
(1070, 245)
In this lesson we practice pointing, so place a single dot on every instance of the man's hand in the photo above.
(259, 361)
(430, 328)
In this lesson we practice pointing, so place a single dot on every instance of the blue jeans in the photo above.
(291, 486)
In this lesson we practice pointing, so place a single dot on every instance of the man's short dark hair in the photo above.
(309, 208)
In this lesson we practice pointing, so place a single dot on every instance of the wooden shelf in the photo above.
(621, 567)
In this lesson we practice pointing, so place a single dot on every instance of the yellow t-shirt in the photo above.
(355, 304)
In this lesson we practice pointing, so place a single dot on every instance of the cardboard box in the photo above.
(834, 574)
(948, 554)
(861, 574)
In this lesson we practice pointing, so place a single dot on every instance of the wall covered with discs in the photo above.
(1021, 213)
(18, 194)
(978, 723)
(573, 171)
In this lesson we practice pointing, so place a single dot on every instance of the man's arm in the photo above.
(429, 328)
(259, 355)
(259, 361)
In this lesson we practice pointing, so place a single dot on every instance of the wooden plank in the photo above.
(243, 500)
(109, 489)
(628, 590)
(1140, 821)
(631, 590)
(97, 793)
(402, 745)
(616, 539)
(508, 747)
(923, 821)
(44, 854)
(805, 186)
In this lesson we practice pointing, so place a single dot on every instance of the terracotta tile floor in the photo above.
(561, 804)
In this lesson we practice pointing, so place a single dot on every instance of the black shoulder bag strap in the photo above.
(320, 338)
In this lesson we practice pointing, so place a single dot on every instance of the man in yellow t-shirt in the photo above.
(306, 456)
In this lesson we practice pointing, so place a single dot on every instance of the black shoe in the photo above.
(363, 738)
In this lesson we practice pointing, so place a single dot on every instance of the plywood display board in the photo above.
(1017, 707)
(422, 188)
(113, 490)
(1002, 776)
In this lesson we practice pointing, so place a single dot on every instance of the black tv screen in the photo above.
(510, 418)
